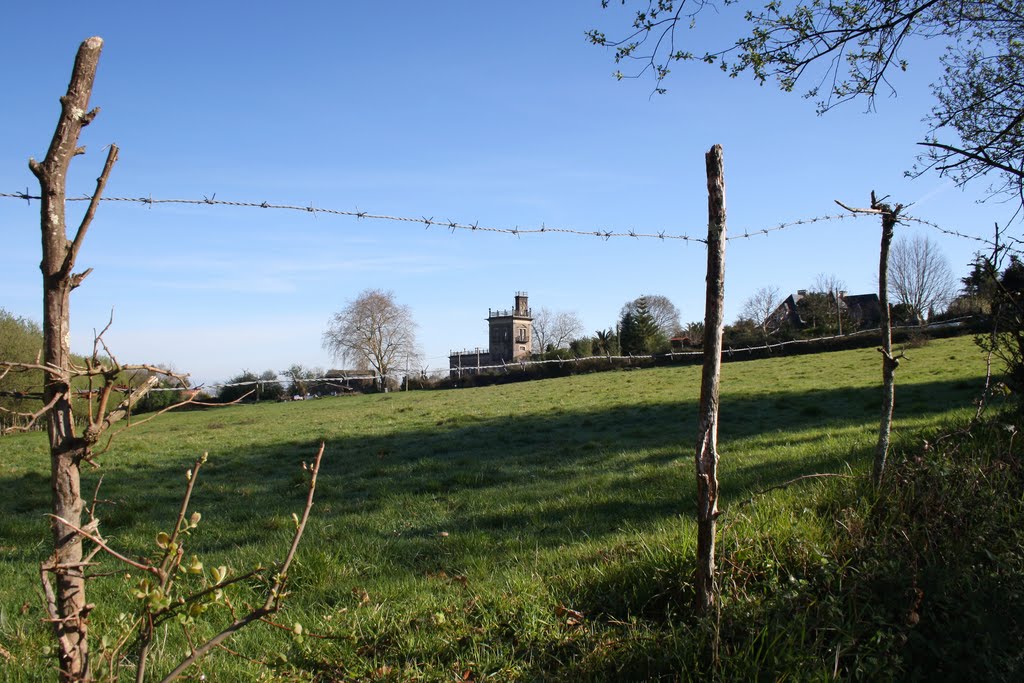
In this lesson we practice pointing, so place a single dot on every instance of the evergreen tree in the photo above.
(639, 331)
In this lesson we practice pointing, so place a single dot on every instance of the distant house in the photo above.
(510, 335)
(679, 343)
(787, 313)
(864, 309)
(861, 309)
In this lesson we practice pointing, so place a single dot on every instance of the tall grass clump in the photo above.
(919, 579)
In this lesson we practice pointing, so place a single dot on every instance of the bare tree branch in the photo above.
(106, 548)
(101, 183)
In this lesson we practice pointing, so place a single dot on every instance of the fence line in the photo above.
(523, 364)
(423, 220)
(476, 227)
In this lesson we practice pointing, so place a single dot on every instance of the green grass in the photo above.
(468, 530)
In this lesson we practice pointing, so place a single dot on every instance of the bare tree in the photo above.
(829, 283)
(920, 276)
(834, 288)
(375, 331)
(661, 308)
(761, 307)
(65, 573)
(67, 605)
(555, 329)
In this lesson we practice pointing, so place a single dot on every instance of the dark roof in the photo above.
(861, 299)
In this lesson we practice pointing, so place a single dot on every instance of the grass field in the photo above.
(529, 531)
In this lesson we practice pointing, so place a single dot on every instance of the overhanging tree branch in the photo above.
(976, 156)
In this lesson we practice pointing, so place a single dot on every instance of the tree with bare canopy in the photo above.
(373, 331)
(848, 49)
(555, 329)
(760, 308)
(920, 276)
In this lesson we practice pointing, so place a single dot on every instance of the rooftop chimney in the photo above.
(521, 304)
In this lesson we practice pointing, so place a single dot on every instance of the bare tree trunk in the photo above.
(707, 439)
(66, 449)
(889, 363)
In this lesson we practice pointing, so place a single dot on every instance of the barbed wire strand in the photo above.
(746, 233)
(423, 220)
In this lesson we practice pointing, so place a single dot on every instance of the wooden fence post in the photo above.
(707, 437)
(889, 362)
(890, 216)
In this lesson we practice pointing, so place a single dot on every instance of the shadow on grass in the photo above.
(536, 480)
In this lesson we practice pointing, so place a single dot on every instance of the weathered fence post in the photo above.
(889, 362)
(890, 216)
(707, 438)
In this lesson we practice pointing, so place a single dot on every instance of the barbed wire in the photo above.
(955, 233)
(746, 234)
(544, 229)
(427, 222)
(448, 224)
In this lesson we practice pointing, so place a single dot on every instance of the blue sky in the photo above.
(465, 111)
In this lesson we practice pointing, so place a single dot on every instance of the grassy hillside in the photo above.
(519, 532)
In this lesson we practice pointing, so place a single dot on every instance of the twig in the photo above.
(183, 510)
(101, 183)
(33, 417)
(789, 483)
(110, 551)
(291, 629)
(273, 601)
(852, 209)
(95, 430)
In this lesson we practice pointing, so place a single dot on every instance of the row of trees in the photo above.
(645, 325)
(921, 283)
(922, 287)
(21, 341)
(299, 381)
(373, 332)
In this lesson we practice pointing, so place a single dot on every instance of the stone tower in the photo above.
(511, 331)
